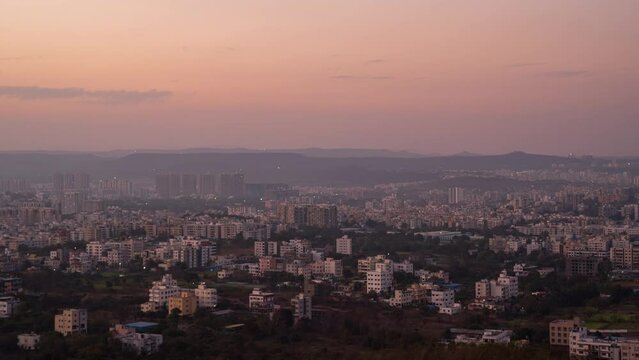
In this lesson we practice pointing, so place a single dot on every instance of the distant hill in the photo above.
(314, 152)
(273, 167)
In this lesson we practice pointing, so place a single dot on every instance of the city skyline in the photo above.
(428, 77)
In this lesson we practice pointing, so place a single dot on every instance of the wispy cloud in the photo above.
(112, 96)
(375, 61)
(562, 74)
(519, 65)
(357, 77)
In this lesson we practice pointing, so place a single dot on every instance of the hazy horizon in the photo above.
(488, 77)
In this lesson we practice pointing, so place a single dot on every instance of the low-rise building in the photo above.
(28, 341)
(141, 343)
(401, 298)
(584, 345)
(480, 337)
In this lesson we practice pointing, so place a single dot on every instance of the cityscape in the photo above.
(319, 180)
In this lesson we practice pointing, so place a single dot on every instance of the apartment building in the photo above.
(302, 307)
(559, 330)
(71, 321)
(380, 279)
(185, 302)
(206, 297)
(344, 245)
(8, 306)
(503, 288)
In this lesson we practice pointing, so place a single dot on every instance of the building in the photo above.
(455, 195)
(206, 297)
(8, 306)
(301, 306)
(232, 185)
(28, 341)
(70, 181)
(584, 266)
(344, 245)
(380, 279)
(480, 337)
(503, 288)
(185, 302)
(404, 266)
(160, 292)
(265, 248)
(71, 321)
(444, 299)
(584, 345)
(141, 343)
(401, 298)
(559, 331)
(10, 285)
(260, 301)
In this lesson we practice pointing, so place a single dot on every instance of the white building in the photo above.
(344, 245)
(380, 279)
(479, 337)
(206, 297)
(160, 293)
(503, 288)
(71, 321)
(583, 345)
(445, 301)
(28, 341)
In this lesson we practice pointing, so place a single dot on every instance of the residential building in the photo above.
(206, 297)
(260, 301)
(141, 343)
(444, 299)
(380, 279)
(559, 331)
(160, 293)
(28, 341)
(71, 321)
(503, 288)
(301, 306)
(8, 306)
(344, 245)
(186, 302)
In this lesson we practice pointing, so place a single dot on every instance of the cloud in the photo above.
(356, 77)
(563, 74)
(519, 65)
(111, 96)
(375, 61)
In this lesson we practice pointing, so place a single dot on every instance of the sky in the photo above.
(430, 76)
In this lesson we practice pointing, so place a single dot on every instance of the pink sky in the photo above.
(487, 76)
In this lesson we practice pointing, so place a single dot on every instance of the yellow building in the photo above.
(186, 302)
